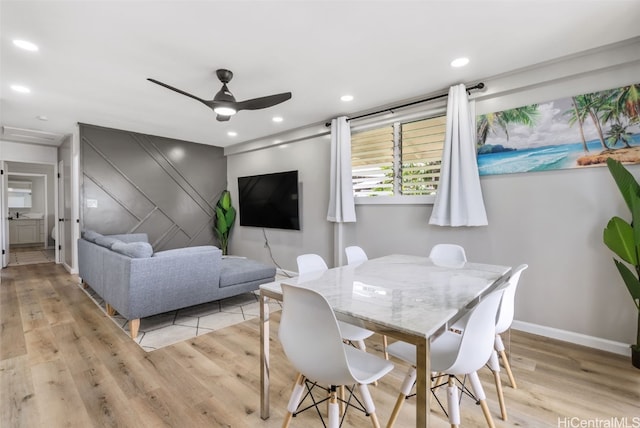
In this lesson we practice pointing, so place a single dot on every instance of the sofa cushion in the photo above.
(106, 241)
(136, 250)
(90, 235)
(185, 250)
(238, 270)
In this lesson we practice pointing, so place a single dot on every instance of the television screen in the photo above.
(269, 200)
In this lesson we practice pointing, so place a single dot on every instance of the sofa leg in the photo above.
(111, 311)
(134, 325)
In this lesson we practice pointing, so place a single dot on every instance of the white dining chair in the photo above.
(321, 358)
(503, 323)
(448, 254)
(312, 263)
(355, 255)
(456, 354)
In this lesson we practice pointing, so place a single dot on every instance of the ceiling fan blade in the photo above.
(263, 102)
(221, 118)
(180, 91)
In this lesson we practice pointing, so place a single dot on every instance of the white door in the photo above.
(59, 236)
(4, 216)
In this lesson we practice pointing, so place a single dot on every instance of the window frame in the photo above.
(398, 199)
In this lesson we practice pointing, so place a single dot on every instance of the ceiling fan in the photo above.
(224, 104)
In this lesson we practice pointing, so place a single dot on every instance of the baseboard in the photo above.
(575, 338)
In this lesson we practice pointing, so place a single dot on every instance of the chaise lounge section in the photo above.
(136, 282)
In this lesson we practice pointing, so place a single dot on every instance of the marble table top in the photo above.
(408, 294)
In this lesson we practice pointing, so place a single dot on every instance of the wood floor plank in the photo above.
(17, 403)
(68, 364)
(12, 343)
(58, 399)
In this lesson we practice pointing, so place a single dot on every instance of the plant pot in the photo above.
(635, 358)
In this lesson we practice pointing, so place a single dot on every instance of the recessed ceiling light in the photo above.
(460, 62)
(21, 89)
(232, 133)
(42, 117)
(28, 46)
(346, 98)
(277, 119)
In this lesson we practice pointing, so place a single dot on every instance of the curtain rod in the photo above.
(477, 86)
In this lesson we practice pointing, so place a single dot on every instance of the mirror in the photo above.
(19, 193)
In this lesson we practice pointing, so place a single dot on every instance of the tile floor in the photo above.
(30, 255)
(171, 327)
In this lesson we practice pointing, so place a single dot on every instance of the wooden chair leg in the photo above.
(507, 367)
(294, 400)
(503, 407)
(476, 386)
(405, 390)
(384, 346)
(134, 326)
(111, 311)
(396, 410)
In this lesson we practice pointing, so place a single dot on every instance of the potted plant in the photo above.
(225, 217)
(624, 240)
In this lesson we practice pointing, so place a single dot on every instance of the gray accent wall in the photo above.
(134, 182)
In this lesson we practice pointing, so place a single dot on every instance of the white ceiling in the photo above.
(95, 57)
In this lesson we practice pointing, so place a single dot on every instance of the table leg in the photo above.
(264, 356)
(423, 384)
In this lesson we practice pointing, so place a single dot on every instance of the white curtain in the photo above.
(341, 206)
(459, 197)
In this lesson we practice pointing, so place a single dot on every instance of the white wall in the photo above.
(552, 221)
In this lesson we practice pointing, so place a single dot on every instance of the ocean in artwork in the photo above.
(542, 158)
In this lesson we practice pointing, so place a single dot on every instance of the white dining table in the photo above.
(405, 297)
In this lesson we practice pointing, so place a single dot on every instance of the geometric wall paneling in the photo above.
(141, 183)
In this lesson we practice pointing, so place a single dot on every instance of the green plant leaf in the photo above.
(619, 237)
(230, 216)
(221, 222)
(625, 181)
(631, 281)
(635, 223)
(225, 200)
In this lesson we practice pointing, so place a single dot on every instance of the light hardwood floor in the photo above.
(63, 363)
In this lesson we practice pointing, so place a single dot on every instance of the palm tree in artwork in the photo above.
(489, 123)
(621, 108)
(579, 117)
(588, 105)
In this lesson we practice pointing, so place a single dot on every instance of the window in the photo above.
(402, 159)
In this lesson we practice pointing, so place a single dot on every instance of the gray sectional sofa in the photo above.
(137, 283)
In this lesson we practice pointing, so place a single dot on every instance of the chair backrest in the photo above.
(478, 335)
(355, 255)
(505, 313)
(308, 263)
(311, 338)
(448, 254)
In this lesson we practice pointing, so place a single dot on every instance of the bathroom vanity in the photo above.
(26, 231)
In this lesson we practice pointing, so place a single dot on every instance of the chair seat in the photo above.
(365, 367)
(352, 332)
(443, 351)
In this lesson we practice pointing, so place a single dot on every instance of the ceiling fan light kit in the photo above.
(224, 104)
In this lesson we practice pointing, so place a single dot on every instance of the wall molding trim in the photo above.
(575, 338)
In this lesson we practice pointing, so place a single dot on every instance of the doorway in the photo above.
(29, 213)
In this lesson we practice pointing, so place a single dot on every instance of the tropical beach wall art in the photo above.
(574, 132)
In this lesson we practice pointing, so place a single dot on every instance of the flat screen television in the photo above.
(269, 200)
